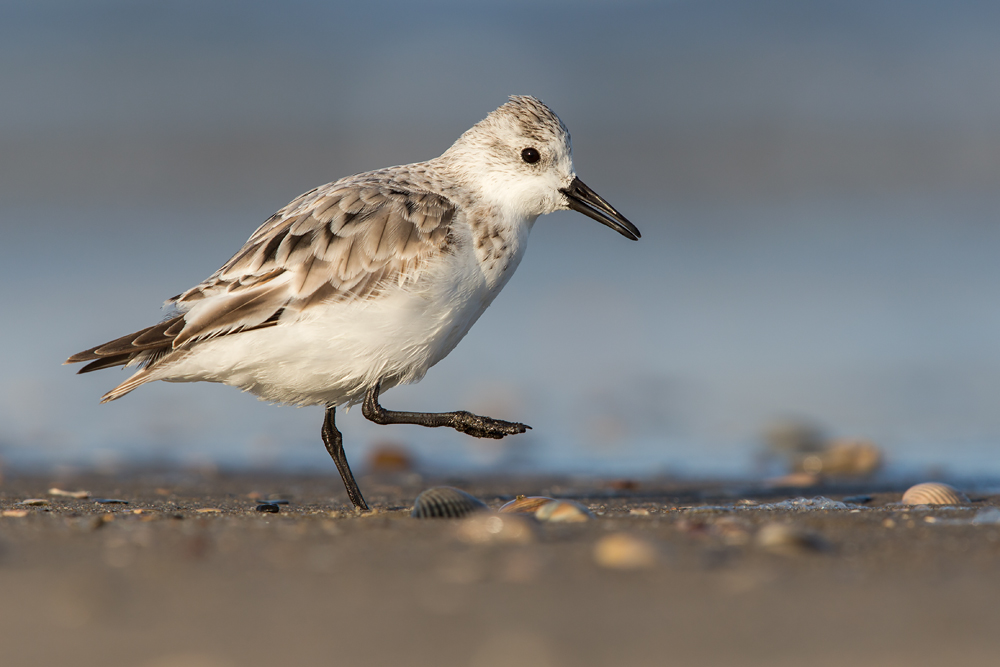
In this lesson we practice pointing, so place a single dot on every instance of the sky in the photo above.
(815, 184)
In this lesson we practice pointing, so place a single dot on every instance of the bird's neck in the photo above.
(499, 242)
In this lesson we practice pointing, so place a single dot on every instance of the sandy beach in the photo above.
(189, 572)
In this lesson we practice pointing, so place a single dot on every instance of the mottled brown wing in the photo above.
(343, 241)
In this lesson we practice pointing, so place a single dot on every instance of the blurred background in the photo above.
(816, 184)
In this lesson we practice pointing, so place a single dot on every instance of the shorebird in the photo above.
(363, 284)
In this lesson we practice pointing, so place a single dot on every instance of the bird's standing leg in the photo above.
(466, 422)
(334, 442)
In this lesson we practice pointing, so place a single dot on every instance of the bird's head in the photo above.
(520, 158)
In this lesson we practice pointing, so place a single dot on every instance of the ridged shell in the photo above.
(563, 511)
(934, 493)
(524, 504)
(445, 502)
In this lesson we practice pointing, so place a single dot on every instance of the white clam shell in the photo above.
(563, 511)
(934, 493)
(445, 502)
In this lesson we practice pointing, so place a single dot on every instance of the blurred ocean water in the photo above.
(816, 186)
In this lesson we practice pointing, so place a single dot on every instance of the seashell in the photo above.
(524, 504)
(33, 502)
(270, 508)
(793, 480)
(792, 437)
(485, 528)
(110, 501)
(79, 495)
(16, 514)
(621, 551)
(846, 458)
(445, 502)
(786, 540)
(563, 511)
(934, 493)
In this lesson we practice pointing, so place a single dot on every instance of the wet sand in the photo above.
(189, 573)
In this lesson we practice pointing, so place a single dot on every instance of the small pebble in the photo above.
(16, 514)
(621, 551)
(268, 507)
(110, 501)
(641, 511)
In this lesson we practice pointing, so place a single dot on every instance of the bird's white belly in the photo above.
(333, 353)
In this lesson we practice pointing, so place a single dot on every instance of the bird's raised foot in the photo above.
(485, 427)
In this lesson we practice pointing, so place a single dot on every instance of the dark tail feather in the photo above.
(100, 364)
(121, 350)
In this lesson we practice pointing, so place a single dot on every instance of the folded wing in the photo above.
(344, 241)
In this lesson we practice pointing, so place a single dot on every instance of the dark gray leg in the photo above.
(335, 445)
(466, 422)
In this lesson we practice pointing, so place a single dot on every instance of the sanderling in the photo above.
(365, 283)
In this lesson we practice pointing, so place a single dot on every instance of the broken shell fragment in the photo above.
(563, 511)
(524, 504)
(445, 502)
(934, 493)
(33, 502)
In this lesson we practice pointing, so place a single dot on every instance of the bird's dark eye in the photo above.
(531, 155)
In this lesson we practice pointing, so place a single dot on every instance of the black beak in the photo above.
(581, 198)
